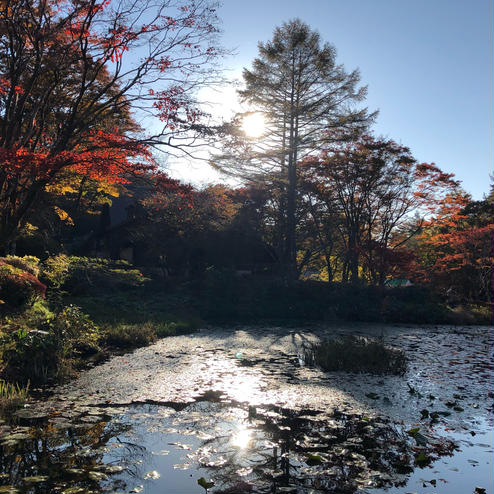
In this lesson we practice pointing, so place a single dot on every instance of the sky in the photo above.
(428, 65)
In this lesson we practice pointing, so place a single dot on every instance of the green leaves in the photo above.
(422, 459)
(313, 460)
(205, 484)
(420, 439)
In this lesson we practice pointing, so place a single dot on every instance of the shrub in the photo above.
(130, 335)
(73, 331)
(30, 356)
(412, 304)
(49, 352)
(55, 270)
(465, 314)
(357, 354)
(17, 286)
(26, 263)
(87, 275)
(12, 396)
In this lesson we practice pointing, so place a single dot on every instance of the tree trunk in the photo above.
(290, 240)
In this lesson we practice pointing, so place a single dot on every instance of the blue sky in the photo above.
(428, 64)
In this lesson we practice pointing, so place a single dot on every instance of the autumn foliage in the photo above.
(456, 252)
(75, 73)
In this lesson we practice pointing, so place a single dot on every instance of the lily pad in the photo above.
(97, 476)
(153, 474)
(36, 478)
(372, 396)
(73, 490)
(205, 484)
(27, 416)
(114, 469)
(313, 460)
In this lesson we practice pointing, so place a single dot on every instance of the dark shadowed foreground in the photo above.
(241, 409)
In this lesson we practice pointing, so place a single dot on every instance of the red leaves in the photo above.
(471, 249)
(105, 156)
(164, 63)
(64, 88)
(175, 108)
(116, 43)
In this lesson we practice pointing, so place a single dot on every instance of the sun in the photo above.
(253, 125)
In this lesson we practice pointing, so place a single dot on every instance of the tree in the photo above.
(302, 93)
(73, 75)
(369, 190)
(455, 248)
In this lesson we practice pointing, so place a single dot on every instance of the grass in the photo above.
(12, 396)
(357, 354)
(135, 319)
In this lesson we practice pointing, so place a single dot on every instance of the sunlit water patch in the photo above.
(238, 448)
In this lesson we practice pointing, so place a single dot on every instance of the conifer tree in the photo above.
(304, 96)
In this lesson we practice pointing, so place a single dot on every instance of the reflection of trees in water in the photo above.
(288, 449)
(268, 448)
(65, 455)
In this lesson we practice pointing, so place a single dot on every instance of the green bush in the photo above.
(12, 397)
(130, 335)
(50, 351)
(357, 354)
(412, 305)
(26, 263)
(87, 275)
(55, 270)
(472, 314)
(222, 296)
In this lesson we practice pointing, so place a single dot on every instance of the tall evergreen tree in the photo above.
(304, 96)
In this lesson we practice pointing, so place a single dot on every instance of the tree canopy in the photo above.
(296, 84)
(73, 75)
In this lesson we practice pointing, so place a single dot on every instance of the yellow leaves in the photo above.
(112, 190)
(63, 215)
(72, 183)
(63, 187)
(29, 229)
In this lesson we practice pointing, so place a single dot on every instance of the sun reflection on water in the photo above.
(241, 438)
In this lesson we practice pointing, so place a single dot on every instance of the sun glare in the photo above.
(241, 438)
(253, 125)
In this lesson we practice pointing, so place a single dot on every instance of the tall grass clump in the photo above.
(357, 354)
(12, 396)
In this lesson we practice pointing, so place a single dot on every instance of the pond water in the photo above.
(239, 409)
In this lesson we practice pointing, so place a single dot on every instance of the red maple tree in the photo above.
(74, 74)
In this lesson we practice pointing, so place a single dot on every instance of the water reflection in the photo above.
(241, 438)
(263, 449)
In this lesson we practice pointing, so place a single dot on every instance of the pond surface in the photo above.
(239, 409)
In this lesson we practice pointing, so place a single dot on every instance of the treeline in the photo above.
(360, 219)
(322, 197)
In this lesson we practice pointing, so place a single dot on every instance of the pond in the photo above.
(236, 411)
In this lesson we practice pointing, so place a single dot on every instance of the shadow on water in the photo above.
(160, 449)
(251, 418)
